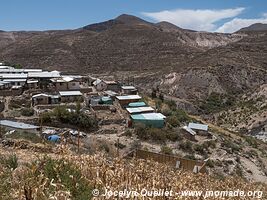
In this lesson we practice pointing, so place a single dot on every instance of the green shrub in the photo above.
(27, 112)
(231, 146)
(251, 141)
(173, 120)
(210, 163)
(187, 146)
(172, 104)
(156, 134)
(209, 144)
(33, 137)
(46, 117)
(173, 136)
(5, 184)
(62, 115)
(181, 115)
(10, 162)
(216, 102)
(105, 147)
(66, 174)
(166, 150)
(158, 103)
(128, 133)
(199, 148)
(191, 157)
(166, 111)
(140, 130)
(120, 145)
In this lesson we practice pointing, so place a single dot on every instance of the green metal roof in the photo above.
(138, 117)
(137, 104)
(106, 99)
(148, 116)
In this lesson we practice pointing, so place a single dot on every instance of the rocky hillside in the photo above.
(254, 27)
(187, 64)
(125, 43)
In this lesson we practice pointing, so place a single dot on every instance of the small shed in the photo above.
(140, 110)
(201, 129)
(137, 104)
(70, 96)
(18, 126)
(32, 84)
(16, 82)
(100, 85)
(94, 100)
(131, 90)
(41, 99)
(112, 85)
(106, 100)
(125, 100)
(111, 94)
(156, 120)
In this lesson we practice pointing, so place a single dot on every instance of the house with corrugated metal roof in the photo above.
(100, 85)
(156, 120)
(66, 83)
(71, 96)
(201, 129)
(125, 100)
(139, 110)
(18, 126)
(137, 104)
(128, 90)
(45, 99)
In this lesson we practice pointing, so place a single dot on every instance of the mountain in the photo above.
(254, 27)
(184, 63)
(124, 43)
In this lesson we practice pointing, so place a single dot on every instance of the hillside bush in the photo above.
(166, 150)
(62, 115)
(27, 112)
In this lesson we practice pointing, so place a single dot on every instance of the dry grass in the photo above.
(100, 171)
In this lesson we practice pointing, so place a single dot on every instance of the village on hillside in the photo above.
(92, 114)
(109, 106)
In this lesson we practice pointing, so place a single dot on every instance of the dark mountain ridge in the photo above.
(254, 27)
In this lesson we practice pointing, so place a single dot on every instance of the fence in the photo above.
(174, 161)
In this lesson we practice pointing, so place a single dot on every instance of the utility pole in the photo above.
(41, 127)
(118, 151)
(78, 140)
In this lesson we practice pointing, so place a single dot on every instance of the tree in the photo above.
(154, 93)
(161, 97)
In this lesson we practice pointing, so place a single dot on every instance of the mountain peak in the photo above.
(130, 19)
(122, 19)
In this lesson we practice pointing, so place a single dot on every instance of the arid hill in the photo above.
(124, 43)
(187, 64)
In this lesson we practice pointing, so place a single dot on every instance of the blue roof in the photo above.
(106, 99)
(137, 104)
(148, 116)
(53, 138)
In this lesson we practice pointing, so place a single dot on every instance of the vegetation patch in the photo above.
(216, 102)
(65, 116)
(27, 112)
(33, 137)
